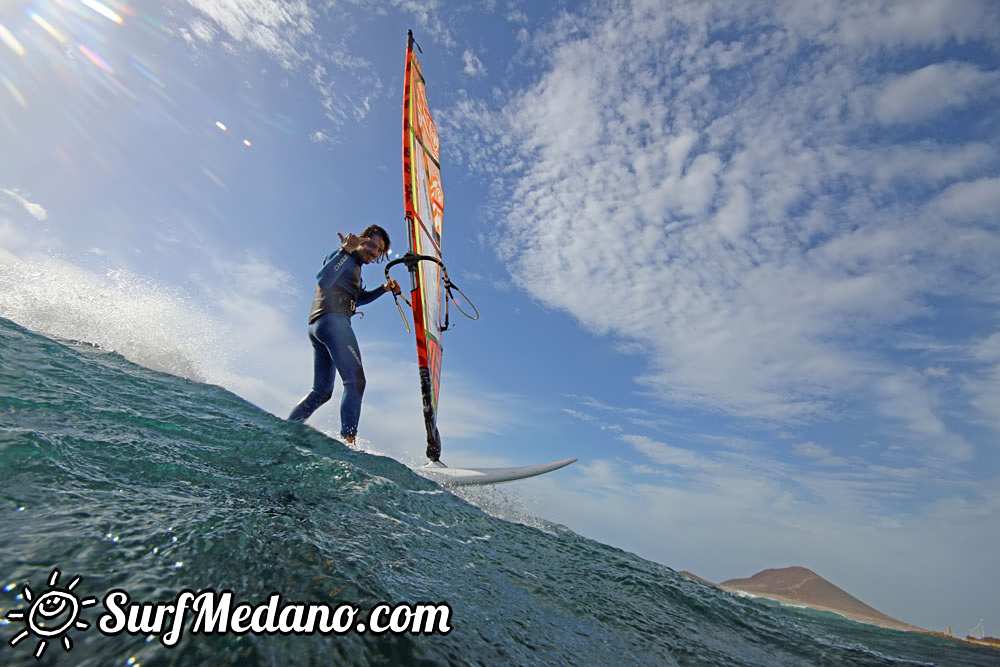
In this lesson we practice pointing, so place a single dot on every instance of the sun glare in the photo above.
(96, 59)
(47, 27)
(103, 11)
(8, 38)
(12, 89)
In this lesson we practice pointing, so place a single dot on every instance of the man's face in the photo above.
(372, 248)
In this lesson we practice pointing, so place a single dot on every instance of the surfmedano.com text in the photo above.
(214, 613)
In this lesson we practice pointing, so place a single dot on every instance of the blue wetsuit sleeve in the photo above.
(369, 295)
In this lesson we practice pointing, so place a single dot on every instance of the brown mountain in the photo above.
(801, 586)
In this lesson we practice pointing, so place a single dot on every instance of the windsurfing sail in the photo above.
(423, 199)
(431, 291)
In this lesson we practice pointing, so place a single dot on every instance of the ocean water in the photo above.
(140, 481)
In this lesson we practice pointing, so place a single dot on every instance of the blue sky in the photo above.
(739, 258)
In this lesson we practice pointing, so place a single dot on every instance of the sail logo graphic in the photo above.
(51, 615)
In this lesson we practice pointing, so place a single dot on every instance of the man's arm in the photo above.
(367, 296)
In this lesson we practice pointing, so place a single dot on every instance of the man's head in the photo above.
(377, 248)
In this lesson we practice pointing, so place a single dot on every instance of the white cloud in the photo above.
(202, 30)
(274, 26)
(926, 163)
(664, 454)
(603, 476)
(286, 31)
(971, 200)
(932, 90)
(710, 196)
(517, 17)
(892, 23)
(320, 137)
(473, 65)
(984, 384)
(988, 349)
(819, 453)
(428, 17)
(37, 211)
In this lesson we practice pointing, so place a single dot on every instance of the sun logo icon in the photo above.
(51, 615)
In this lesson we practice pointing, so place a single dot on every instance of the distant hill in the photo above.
(802, 586)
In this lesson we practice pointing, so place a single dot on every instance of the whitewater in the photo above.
(124, 478)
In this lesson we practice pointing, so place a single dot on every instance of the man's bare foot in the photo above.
(349, 439)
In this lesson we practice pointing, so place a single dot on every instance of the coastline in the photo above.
(803, 588)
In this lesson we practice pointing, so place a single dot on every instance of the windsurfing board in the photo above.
(446, 476)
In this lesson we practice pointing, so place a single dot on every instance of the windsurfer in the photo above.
(339, 291)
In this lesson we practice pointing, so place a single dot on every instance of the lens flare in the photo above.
(103, 11)
(146, 72)
(96, 59)
(215, 179)
(222, 126)
(8, 38)
(47, 27)
(12, 89)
